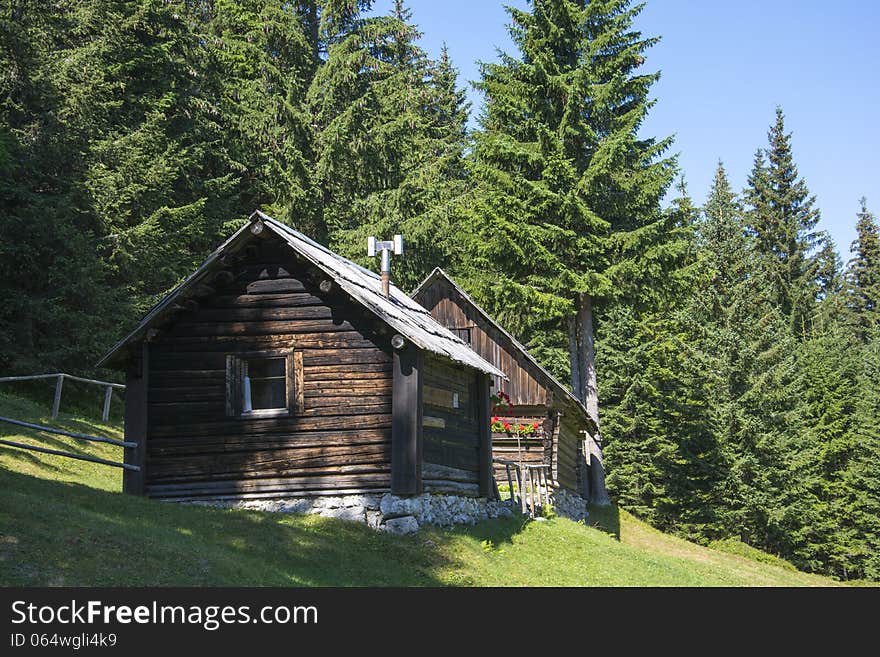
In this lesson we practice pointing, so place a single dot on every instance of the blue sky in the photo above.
(725, 67)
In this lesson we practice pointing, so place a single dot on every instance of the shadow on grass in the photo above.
(64, 534)
(605, 519)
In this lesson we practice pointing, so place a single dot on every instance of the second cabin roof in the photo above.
(398, 310)
(440, 275)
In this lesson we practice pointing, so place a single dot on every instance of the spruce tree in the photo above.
(566, 204)
(388, 159)
(783, 221)
(863, 273)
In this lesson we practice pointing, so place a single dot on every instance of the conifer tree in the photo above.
(566, 204)
(387, 160)
(783, 221)
(863, 273)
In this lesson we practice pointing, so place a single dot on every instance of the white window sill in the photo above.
(266, 412)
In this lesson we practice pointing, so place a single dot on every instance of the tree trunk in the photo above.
(576, 382)
(588, 393)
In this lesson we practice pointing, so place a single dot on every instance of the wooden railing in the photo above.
(532, 484)
(59, 383)
(69, 434)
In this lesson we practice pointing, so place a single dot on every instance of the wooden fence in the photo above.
(70, 434)
(532, 485)
(59, 384)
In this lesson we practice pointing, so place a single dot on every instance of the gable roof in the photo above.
(551, 381)
(398, 310)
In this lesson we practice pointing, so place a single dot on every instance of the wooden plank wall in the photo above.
(451, 436)
(448, 308)
(339, 443)
(568, 452)
(534, 449)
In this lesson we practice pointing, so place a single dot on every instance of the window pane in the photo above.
(259, 368)
(268, 393)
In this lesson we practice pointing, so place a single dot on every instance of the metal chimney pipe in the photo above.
(385, 249)
(386, 272)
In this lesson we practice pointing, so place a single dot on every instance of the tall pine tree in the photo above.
(566, 206)
(783, 221)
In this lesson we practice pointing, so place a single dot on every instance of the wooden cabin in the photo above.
(280, 369)
(565, 438)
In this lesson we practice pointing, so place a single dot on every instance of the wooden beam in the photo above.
(483, 412)
(108, 395)
(406, 422)
(136, 386)
(59, 383)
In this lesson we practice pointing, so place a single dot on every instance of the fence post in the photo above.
(58, 383)
(106, 414)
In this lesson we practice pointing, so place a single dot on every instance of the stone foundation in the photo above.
(568, 504)
(404, 515)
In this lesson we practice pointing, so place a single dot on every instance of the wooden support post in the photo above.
(59, 382)
(521, 479)
(546, 488)
(108, 394)
(532, 492)
(136, 384)
(406, 422)
(510, 482)
(484, 405)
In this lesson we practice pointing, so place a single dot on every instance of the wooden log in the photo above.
(190, 328)
(353, 388)
(454, 487)
(275, 286)
(451, 454)
(313, 357)
(437, 471)
(365, 398)
(256, 425)
(260, 314)
(182, 445)
(312, 340)
(406, 423)
(291, 484)
(223, 277)
(56, 403)
(69, 434)
(533, 477)
(364, 371)
(278, 463)
(509, 481)
(31, 377)
(278, 300)
(69, 455)
(276, 494)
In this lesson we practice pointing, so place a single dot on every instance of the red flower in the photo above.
(494, 419)
(535, 426)
(507, 425)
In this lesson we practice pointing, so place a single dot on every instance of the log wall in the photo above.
(340, 441)
(446, 305)
(450, 428)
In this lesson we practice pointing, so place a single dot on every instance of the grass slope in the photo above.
(63, 522)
